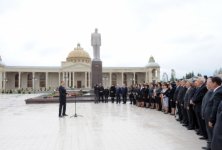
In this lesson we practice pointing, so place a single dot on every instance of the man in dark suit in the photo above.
(188, 110)
(101, 92)
(118, 93)
(206, 111)
(112, 93)
(180, 98)
(217, 132)
(62, 100)
(197, 102)
(214, 102)
(124, 93)
(96, 92)
(216, 99)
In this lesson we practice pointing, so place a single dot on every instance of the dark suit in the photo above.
(118, 93)
(217, 132)
(216, 99)
(180, 100)
(62, 100)
(101, 93)
(188, 108)
(197, 100)
(112, 93)
(124, 94)
(206, 110)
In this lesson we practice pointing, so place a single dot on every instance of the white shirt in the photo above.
(216, 88)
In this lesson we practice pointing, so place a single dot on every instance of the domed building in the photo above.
(76, 72)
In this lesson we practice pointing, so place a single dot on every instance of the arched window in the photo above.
(29, 80)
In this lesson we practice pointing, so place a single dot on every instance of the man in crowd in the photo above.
(197, 102)
(124, 93)
(214, 121)
(112, 93)
(206, 111)
(189, 113)
(101, 92)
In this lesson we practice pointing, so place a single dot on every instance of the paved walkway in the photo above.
(102, 127)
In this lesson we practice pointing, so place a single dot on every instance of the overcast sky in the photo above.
(185, 35)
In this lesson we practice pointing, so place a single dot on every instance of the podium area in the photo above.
(102, 127)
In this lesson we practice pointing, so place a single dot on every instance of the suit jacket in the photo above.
(176, 93)
(206, 107)
(215, 101)
(199, 94)
(62, 94)
(181, 94)
(188, 96)
(217, 136)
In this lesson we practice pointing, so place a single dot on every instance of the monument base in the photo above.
(96, 72)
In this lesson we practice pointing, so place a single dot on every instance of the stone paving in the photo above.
(101, 127)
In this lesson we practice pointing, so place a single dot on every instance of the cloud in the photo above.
(181, 35)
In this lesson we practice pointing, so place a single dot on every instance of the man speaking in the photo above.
(62, 99)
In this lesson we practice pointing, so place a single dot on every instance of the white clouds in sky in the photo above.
(184, 35)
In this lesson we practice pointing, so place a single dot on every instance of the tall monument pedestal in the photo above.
(96, 70)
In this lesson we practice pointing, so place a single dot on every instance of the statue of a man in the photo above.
(96, 43)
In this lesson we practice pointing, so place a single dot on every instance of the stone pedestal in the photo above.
(96, 70)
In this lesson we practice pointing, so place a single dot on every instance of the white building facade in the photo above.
(76, 72)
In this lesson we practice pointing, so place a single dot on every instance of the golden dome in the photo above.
(78, 55)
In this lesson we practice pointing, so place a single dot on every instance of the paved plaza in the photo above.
(101, 127)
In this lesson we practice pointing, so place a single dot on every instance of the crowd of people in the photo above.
(196, 104)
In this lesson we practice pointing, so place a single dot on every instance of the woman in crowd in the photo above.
(165, 97)
(157, 96)
(172, 87)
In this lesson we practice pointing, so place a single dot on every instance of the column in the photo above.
(63, 76)
(1, 80)
(19, 80)
(33, 80)
(85, 79)
(73, 79)
(66, 79)
(59, 77)
(70, 79)
(134, 78)
(5, 80)
(89, 79)
(122, 77)
(110, 79)
(145, 77)
(46, 80)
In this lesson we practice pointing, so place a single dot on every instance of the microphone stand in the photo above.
(75, 115)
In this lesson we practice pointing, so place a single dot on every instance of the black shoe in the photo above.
(185, 125)
(190, 128)
(65, 115)
(207, 148)
(203, 138)
(60, 116)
